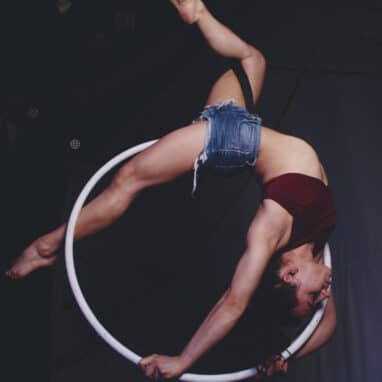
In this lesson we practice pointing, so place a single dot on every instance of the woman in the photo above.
(291, 224)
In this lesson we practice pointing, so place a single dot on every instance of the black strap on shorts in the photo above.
(244, 83)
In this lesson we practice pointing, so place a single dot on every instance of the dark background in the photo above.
(110, 74)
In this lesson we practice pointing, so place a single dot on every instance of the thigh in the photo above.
(173, 155)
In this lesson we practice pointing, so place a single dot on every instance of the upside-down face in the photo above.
(312, 281)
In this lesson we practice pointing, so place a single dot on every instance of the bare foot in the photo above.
(189, 10)
(37, 255)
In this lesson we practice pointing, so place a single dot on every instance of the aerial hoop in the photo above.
(108, 337)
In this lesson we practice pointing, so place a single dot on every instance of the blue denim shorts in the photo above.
(232, 140)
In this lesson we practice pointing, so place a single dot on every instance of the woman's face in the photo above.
(313, 281)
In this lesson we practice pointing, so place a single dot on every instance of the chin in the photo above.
(301, 311)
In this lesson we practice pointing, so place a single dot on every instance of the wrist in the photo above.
(190, 11)
(48, 244)
(185, 360)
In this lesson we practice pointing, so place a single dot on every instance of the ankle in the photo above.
(44, 249)
(200, 11)
(190, 11)
(47, 245)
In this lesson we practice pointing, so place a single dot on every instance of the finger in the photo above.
(323, 295)
(149, 371)
(275, 368)
(261, 372)
(281, 367)
(270, 370)
(147, 360)
(157, 374)
(147, 367)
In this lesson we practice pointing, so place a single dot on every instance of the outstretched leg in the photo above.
(172, 156)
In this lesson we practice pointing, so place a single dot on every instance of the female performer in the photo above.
(290, 227)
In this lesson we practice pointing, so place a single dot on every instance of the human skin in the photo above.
(269, 230)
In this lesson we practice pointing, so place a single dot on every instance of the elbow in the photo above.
(235, 304)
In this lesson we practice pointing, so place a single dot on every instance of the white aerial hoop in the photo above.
(108, 337)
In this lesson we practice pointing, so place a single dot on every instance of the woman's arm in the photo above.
(275, 365)
(323, 332)
(266, 234)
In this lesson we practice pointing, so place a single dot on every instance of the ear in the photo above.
(288, 272)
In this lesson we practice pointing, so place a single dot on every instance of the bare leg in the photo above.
(225, 43)
(171, 156)
(155, 165)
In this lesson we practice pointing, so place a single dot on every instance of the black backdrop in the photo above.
(155, 273)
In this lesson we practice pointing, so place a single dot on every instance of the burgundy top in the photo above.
(311, 204)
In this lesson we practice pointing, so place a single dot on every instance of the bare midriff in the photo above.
(281, 153)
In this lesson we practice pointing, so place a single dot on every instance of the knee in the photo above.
(127, 179)
(258, 59)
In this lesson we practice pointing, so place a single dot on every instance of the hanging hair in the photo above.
(279, 298)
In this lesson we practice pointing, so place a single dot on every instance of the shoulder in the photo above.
(272, 223)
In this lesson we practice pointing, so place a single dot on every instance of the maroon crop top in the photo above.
(311, 204)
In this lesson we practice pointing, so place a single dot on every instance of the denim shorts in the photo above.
(232, 140)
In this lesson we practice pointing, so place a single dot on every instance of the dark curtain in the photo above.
(156, 272)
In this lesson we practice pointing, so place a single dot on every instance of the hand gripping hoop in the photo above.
(107, 336)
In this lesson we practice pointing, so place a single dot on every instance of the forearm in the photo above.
(235, 300)
(276, 365)
(217, 324)
(323, 333)
(227, 311)
(221, 39)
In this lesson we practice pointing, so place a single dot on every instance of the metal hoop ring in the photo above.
(107, 336)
